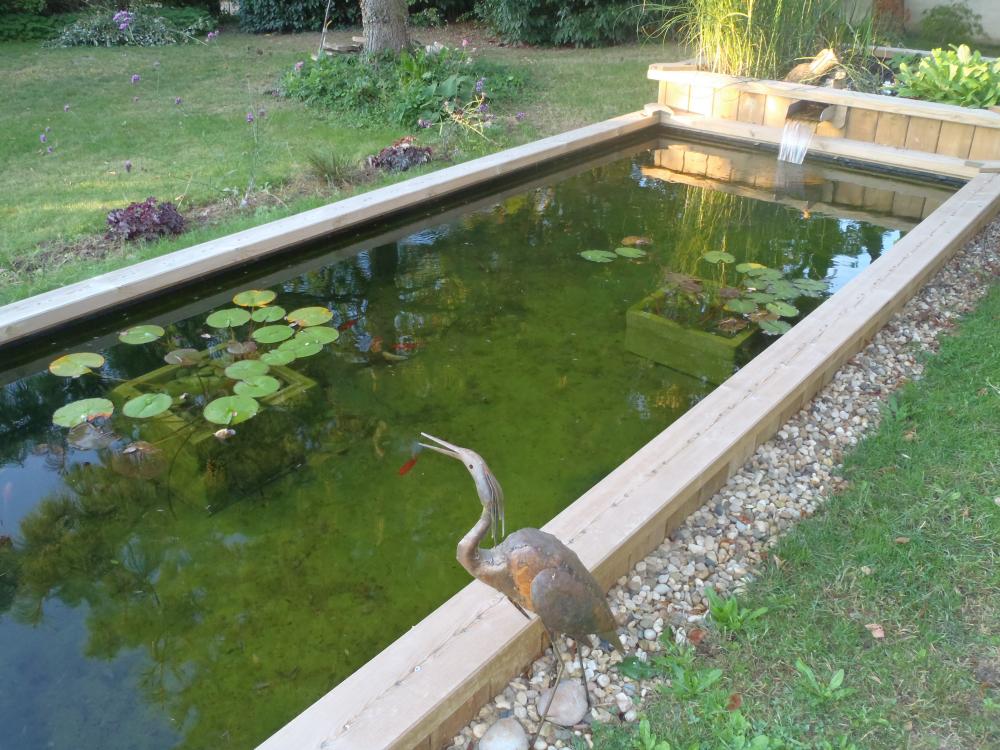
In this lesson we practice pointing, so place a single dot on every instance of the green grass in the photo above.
(911, 545)
(203, 151)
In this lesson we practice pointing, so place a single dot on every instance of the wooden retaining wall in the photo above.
(932, 128)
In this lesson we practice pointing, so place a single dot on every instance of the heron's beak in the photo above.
(444, 446)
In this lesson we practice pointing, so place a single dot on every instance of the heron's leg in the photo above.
(559, 671)
(583, 673)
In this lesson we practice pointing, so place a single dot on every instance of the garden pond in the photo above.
(175, 573)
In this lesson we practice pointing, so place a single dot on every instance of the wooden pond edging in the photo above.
(425, 686)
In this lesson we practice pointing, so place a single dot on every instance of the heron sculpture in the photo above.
(536, 571)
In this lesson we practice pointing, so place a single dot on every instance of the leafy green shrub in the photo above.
(414, 86)
(582, 23)
(262, 16)
(428, 18)
(955, 23)
(16, 27)
(138, 28)
(445, 9)
(956, 76)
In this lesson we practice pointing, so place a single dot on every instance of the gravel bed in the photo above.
(722, 543)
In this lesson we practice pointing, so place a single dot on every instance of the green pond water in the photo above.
(205, 603)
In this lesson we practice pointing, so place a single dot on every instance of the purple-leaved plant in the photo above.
(148, 220)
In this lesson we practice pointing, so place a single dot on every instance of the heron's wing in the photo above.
(569, 604)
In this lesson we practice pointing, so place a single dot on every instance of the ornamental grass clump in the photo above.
(148, 220)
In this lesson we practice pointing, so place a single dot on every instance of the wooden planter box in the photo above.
(701, 354)
(896, 122)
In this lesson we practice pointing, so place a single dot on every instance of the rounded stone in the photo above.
(506, 734)
(569, 705)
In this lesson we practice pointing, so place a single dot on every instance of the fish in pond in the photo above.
(407, 346)
(634, 241)
(347, 325)
(405, 468)
(376, 345)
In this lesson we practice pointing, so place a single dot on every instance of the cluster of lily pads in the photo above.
(631, 247)
(761, 296)
(261, 336)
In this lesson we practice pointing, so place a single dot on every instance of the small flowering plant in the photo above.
(137, 27)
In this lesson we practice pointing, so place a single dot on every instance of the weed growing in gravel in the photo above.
(728, 614)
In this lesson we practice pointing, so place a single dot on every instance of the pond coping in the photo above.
(420, 690)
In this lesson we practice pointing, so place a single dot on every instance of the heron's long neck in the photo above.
(469, 554)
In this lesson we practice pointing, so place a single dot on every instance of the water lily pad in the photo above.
(811, 285)
(248, 368)
(732, 325)
(774, 327)
(598, 256)
(273, 334)
(683, 282)
(301, 347)
(277, 358)
(147, 405)
(268, 314)
(718, 256)
(257, 386)
(230, 410)
(241, 348)
(231, 317)
(783, 309)
(310, 316)
(761, 297)
(76, 364)
(85, 410)
(182, 357)
(740, 306)
(141, 334)
(319, 334)
(254, 298)
(747, 267)
(783, 289)
(764, 273)
(630, 252)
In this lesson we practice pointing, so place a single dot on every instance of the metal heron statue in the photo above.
(536, 571)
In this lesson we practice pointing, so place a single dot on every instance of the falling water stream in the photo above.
(795, 140)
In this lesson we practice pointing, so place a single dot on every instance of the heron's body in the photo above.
(542, 575)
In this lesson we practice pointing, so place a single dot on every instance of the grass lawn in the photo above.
(912, 546)
(202, 151)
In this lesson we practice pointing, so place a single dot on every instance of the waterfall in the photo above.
(795, 139)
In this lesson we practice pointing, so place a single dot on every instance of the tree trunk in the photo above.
(384, 23)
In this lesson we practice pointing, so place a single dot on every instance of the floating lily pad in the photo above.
(783, 309)
(76, 364)
(273, 334)
(630, 252)
(254, 298)
(683, 282)
(268, 314)
(718, 256)
(762, 314)
(783, 289)
(147, 405)
(301, 347)
(277, 358)
(241, 348)
(310, 316)
(230, 410)
(141, 334)
(740, 306)
(774, 327)
(257, 386)
(231, 317)
(810, 285)
(747, 267)
(761, 297)
(764, 273)
(182, 357)
(319, 334)
(85, 410)
(248, 368)
(732, 325)
(598, 256)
